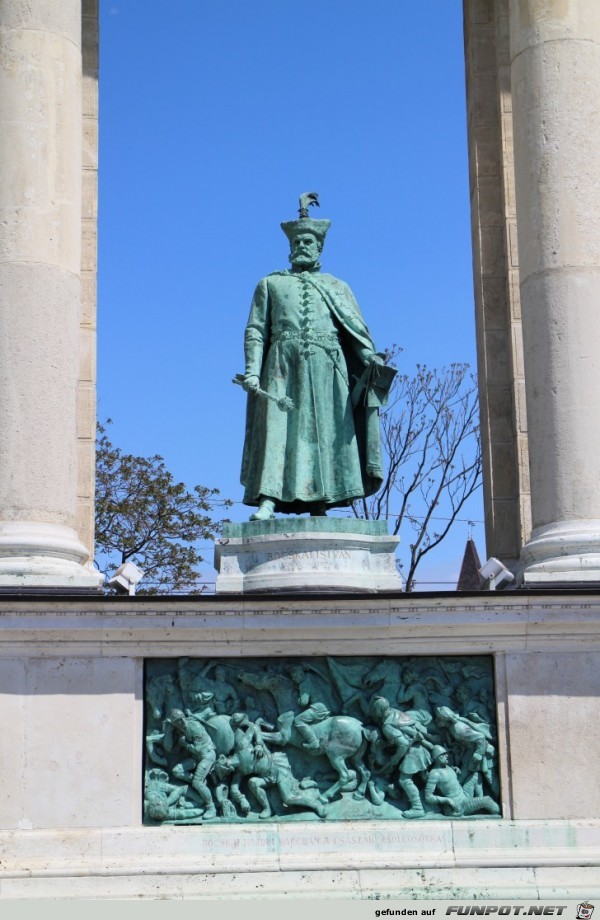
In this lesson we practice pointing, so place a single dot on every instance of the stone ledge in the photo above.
(369, 624)
(301, 845)
(262, 888)
(427, 859)
(308, 526)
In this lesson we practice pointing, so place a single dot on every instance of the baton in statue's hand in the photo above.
(284, 402)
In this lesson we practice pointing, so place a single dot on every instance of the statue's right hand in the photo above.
(251, 383)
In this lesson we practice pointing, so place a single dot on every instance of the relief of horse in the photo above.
(340, 738)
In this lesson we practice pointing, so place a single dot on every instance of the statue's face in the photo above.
(304, 250)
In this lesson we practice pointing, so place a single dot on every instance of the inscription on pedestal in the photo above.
(313, 554)
(306, 554)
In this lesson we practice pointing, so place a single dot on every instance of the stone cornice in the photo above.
(405, 624)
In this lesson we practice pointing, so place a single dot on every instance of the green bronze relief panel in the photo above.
(322, 739)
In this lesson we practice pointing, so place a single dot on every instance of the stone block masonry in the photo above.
(71, 688)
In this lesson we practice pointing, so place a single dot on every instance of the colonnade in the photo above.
(555, 80)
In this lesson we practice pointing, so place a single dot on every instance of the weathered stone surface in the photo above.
(495, 264)
(306, 554)
(73, 721)
(552, 706)
(71, 684)
(40, 257)
(533, 860)
(555, 51)
(86, 408)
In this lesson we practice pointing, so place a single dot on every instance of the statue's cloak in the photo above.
(310, 455)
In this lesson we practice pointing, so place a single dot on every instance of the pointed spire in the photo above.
(469, 578)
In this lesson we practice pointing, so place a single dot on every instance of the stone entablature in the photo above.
(395, 623)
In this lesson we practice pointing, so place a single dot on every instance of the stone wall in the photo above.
(71, 690)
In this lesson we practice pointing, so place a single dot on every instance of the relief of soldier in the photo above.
(324, 739)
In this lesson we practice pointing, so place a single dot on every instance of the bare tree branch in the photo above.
(432, 457)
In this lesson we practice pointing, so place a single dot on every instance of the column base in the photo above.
(36, 555)
(563, 553)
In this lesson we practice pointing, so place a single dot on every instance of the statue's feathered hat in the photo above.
(306, 224)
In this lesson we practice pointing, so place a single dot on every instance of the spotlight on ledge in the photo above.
(495, 575)
(126, 578)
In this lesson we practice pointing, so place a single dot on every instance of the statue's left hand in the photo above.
(376, 359)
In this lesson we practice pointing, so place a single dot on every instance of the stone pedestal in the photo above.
(306, 555)
(72, 696)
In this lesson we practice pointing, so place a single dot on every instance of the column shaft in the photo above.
(555, 75)
(40, 256)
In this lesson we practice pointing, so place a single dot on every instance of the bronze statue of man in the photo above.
(315, 385)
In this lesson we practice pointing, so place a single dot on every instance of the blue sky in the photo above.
(214, 116)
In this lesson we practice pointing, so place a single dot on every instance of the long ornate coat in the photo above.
(306, 340)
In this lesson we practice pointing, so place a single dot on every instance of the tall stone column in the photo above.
(40, 256)
(555, 76)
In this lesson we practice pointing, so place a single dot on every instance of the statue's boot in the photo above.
(416, 809)
(311, 742)
(266, 510)
(318, 509)
(204, 793)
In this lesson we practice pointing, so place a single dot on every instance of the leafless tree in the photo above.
(431, 456)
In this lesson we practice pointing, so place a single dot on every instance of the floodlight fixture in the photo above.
(495, 574)
(126, 578)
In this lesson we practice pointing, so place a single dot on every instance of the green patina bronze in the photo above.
(305, 526)
(315, 384)
(288, 739)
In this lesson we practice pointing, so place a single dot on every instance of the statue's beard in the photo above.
(303, 260)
